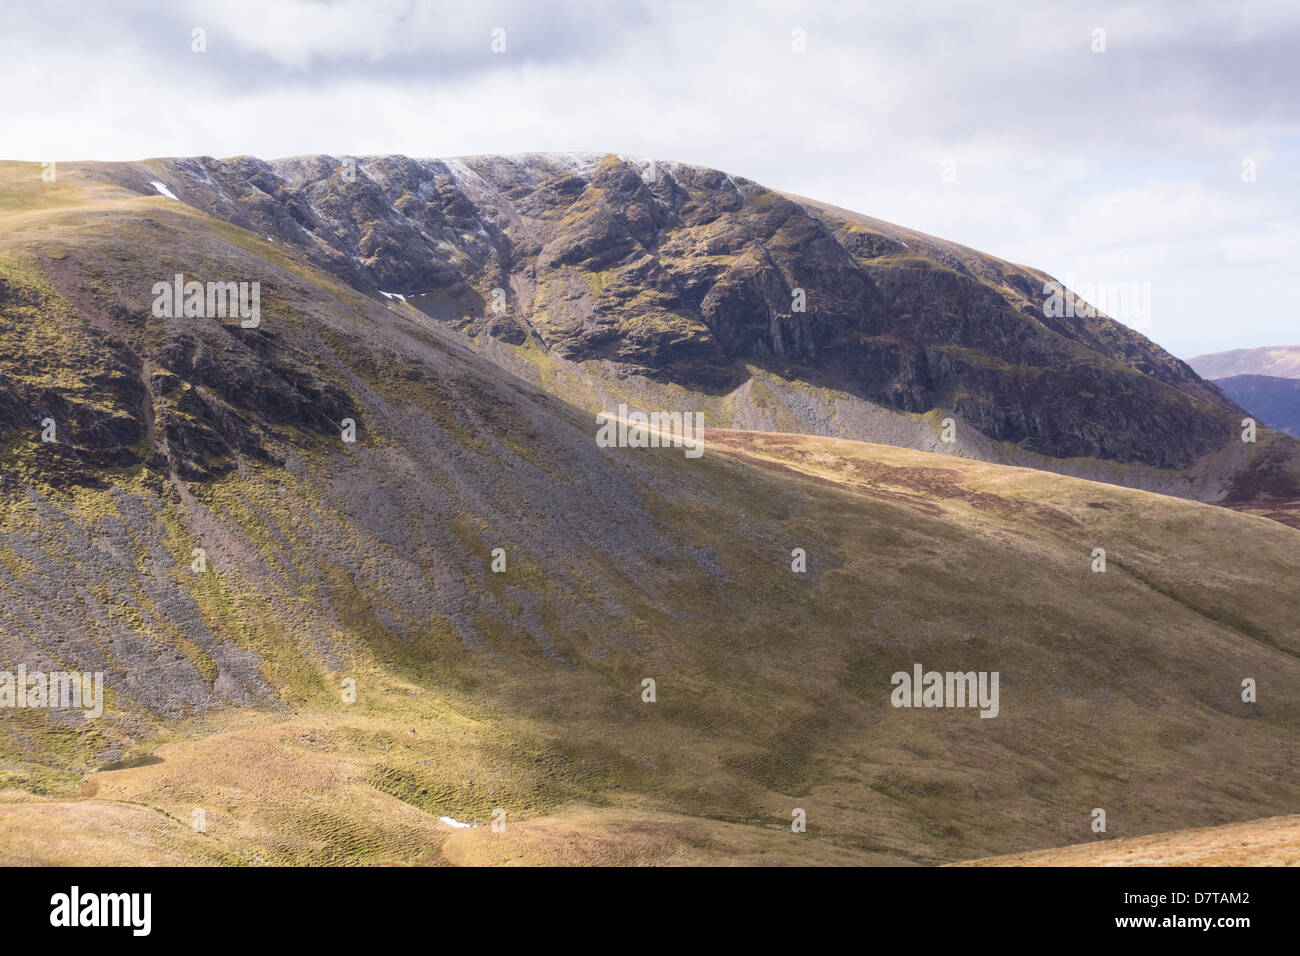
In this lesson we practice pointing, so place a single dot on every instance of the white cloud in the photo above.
(1071, 161)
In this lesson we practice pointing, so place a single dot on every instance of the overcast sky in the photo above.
(1117, 166)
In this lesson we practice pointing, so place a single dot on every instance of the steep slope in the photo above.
(662, 284)
(1280, 361)
(1274, 401)
(371, 561)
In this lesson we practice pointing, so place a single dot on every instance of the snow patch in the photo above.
(163, 189)
(457, 824)
(392, 295)
(650, 170)
(578, 162)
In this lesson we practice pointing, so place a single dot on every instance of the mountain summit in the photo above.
(627, 278)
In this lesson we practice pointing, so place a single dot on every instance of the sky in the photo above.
(1152, 143)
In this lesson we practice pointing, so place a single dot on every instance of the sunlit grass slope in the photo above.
(522, 690)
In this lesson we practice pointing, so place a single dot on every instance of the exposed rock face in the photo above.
(208, 390)
(186, 398)
(682, 274)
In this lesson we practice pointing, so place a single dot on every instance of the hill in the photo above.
(1271, 842)
(329, 561)
(1274, 401)
(1279, 361)
(609, 279)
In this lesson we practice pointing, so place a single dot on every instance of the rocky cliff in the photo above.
(645, 275)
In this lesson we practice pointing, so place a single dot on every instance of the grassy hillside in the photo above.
(522, 690)
(1271, 842)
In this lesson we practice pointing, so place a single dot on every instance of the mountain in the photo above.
(1273, 400)
(1279, 361)
(673, 286)
(309, 658)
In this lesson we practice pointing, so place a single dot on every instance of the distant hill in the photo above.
(1272, 400)
(1280, 361)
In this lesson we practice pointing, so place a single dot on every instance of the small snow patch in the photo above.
(392, 295)
(163, 189)
(457, 824)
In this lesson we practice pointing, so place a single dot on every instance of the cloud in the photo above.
(1126, 161)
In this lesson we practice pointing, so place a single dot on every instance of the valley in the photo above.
(348, 668)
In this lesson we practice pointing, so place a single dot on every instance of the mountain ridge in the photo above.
(1274, 400)
(1281, 361)
(653, 276)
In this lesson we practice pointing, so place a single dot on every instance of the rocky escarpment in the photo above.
(98, 385)
(687, 276)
